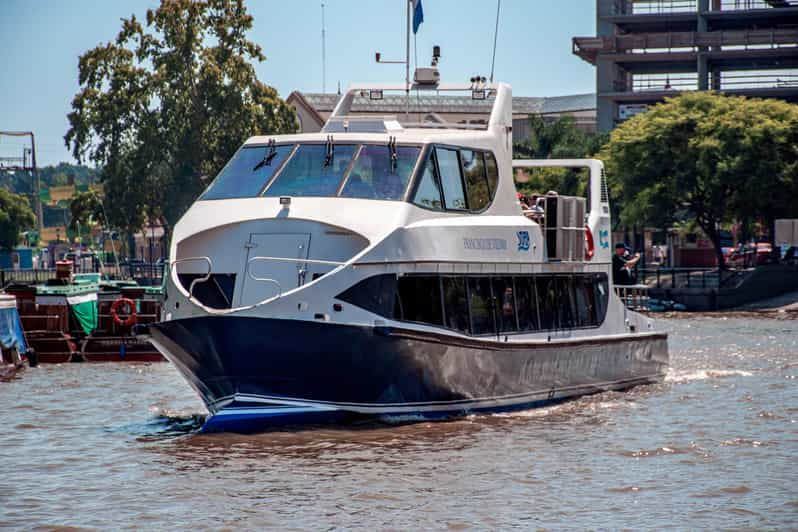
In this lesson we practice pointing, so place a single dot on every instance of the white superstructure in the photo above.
(414, 232)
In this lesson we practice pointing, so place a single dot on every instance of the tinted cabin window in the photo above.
(455, 304)
(585, 301)
(547, 302)
(505, 304)
(216, 292)
(602, 291)
(493, 173)
(376, 175)
(428, 193)
(247, 172)
(311, 173)
(375, 294)
(565, 300)
(475, 180)
(449, 166)
(420, 299)
(527, 305)
(481, 305)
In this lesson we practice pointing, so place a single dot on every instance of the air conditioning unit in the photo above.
(427, 76)
(565, 227)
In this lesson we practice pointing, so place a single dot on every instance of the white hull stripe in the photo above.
(371, 408)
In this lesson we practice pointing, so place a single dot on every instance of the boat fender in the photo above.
(130, 311)
(590, 247)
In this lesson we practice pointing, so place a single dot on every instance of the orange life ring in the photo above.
(131, 305)
(590, 248)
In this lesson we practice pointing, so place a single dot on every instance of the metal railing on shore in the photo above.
(677, 278)
(146, 274)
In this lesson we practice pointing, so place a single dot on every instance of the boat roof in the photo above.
(496, 97)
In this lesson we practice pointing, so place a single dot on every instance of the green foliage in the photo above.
(164, 106)
(85, 209)
(15, 217)
(707, 157)
(558, 139)
(49, 176)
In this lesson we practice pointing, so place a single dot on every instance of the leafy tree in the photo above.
(165, 105)
(86, 208)
(557, 139)
(15, 216)
(709, 157)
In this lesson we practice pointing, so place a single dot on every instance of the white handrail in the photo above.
(301, 261)
(197, 280)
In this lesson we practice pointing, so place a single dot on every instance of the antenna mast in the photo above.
(495, 36)
(323, 54)
(407, 64)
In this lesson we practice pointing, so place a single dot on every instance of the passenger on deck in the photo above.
(622, 265)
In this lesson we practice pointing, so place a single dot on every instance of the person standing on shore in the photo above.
(622, 265)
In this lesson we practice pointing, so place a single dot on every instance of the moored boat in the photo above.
(70, 319)
(13, 348)
(375, 269)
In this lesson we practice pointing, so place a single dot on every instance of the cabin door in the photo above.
(265, 274)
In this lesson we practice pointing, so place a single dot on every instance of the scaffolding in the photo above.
(25, 163)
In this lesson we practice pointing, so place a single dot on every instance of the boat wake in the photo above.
(674, 376)
(163, 425)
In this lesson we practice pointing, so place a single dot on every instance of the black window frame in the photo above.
(466, 186)
(456, 151)
(552, 281)
(430, 154)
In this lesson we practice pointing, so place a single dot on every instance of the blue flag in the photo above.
(418, 15)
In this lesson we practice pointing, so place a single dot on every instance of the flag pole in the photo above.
(407, 65)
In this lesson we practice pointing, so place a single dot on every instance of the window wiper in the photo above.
(271, 153)
(392, 150)
(328, 158)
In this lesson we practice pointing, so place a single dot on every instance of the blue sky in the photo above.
(41, 40)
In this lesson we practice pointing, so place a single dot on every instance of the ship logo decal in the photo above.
(604, 239)
(523, 240)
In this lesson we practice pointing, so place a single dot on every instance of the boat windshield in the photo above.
(247, 172)
(370, 171)
(380, 172)
(314, 170)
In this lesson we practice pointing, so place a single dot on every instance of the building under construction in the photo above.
(646, 50)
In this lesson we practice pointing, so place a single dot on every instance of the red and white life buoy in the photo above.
(590, 248)
(116, 306)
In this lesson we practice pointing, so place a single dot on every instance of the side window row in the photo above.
(457, 179)
(478, 305)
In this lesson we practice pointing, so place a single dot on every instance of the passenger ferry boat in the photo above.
(379, 269)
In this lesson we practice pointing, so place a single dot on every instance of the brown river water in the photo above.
(115, 446)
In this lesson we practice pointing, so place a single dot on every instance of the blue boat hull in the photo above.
(258, 372)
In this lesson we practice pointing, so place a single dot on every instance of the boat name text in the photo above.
(485, 243)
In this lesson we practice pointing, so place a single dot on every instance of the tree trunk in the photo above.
(712, 232)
